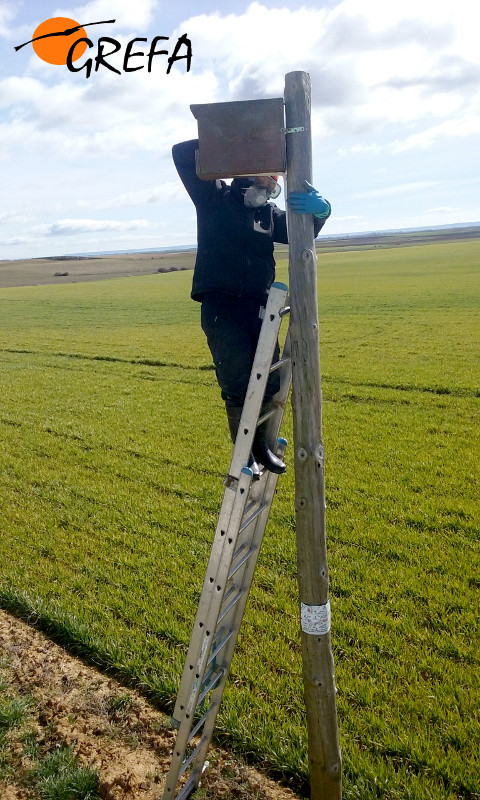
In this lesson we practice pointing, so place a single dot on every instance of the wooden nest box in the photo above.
(245, 137)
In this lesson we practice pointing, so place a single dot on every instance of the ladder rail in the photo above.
(258, 377)
(215, 581)
(235, 549)
(209, 718)
(230, 507)
(217, 693)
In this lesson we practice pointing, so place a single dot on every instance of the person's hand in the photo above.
(309, 202)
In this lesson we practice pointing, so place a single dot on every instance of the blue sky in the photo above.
(86, 163)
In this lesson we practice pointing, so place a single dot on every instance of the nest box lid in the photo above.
(244, 137)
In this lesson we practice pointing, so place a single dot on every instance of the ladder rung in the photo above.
(192, 755)
(239, 550)
(213, 655)
(252, 517)
(187, 788)
(280, 363)
(231, 604)
(229, 592)
(201, 722)
(266, 416)
(249, 507)
(212, 683)
(207, 675)
(241, 562)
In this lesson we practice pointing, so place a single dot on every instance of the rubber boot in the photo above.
(233, 415)
(261, 450)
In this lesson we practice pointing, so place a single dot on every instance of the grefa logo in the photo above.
(61, 40)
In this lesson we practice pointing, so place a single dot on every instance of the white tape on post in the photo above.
(315, 619)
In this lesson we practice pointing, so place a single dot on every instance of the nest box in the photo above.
(245, 137)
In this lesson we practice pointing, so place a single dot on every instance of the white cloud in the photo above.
(111, 115)
(360, 148)
(401, 188)
(14, 241)
(128, 15)
(447, 210)
(467, 125)
(7, 14)
(372, 64)
(162, 193)
(13, 216)
(69, 227)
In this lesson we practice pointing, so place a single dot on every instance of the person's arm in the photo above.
(184, 159)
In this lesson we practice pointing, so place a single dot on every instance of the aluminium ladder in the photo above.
(236, 545)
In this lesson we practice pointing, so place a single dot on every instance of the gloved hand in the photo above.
(309, 202)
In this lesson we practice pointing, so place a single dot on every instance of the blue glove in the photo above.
(309, 202)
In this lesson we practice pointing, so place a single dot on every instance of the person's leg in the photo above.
(229, 341)
(261, 447)
(232, 327)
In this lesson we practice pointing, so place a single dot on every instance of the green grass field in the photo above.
(114, 447)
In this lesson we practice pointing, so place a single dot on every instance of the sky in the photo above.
(86, 164)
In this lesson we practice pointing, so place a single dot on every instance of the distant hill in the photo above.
(403, 237)
(99, 266)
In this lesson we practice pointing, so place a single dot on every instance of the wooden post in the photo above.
(318, 668)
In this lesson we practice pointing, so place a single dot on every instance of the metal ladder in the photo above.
(236, 545)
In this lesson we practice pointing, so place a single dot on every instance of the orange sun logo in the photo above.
(53, 39)
(61, 40)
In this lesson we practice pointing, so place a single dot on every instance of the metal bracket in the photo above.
(231, 482)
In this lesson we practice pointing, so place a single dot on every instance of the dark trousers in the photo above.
(232, 327)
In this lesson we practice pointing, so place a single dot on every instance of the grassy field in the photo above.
(114, 447)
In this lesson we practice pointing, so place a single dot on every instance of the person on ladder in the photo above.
(234, 269)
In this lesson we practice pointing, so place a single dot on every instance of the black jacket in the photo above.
(235, 243)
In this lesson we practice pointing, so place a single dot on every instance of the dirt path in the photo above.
(114, 730)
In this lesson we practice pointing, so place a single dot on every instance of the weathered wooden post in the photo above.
(318, 667)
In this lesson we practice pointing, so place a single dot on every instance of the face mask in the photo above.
(255, 196)
(258, 195)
